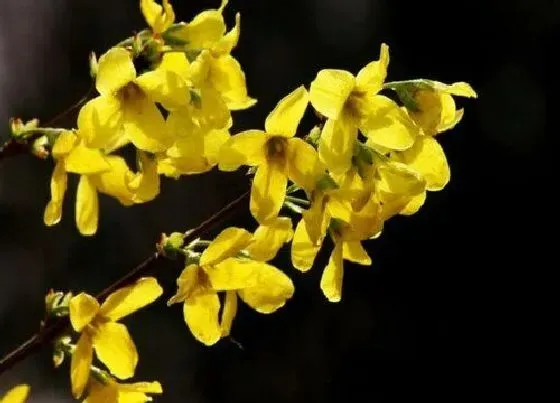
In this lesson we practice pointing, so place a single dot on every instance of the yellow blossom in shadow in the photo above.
(99, 329)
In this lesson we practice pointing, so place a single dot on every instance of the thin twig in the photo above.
(22, 146)
(57, 326)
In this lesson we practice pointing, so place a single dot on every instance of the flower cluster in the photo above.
(167, 94)
(368, 160)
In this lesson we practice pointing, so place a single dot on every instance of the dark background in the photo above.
(440, 312)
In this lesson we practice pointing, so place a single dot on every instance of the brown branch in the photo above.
(55, 327)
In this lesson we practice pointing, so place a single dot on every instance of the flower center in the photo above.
(354, 105)
(276, 148)
(131, 92)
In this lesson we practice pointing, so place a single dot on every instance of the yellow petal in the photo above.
(228, 243)
(336, 144)
(451, 121)
(449, 116)
(414, 204)
(212, 113)
(229, 79)
(17, 394)
(330, 90)
(83, 308)
(102, 393)
(64, 143)
(428, 159)
(231, 274)
(228, 312)
(145, 185)
(303, 164)
(186, 284)
(115, 181)
(87, 206)
(246, 148)
(428, 115)
(80, 364)
(372, 76)
(400, 179)
(59, 180)
(204, 30)
(303, 250)
(271, 292)
(145, 127)
(181, 125)
(129, 299)
(176, 62)
(269, 238)
(368, 220)
(166, 87)
(158, 17)
(85, 161)
(200, 312)
(115, 70)
(213, 142)
(461, 89)
(100, 121)
(338, 206)
(141, 387)
(355, 252)
(268, 192)
(389, 126)
(115, 349)
(331, 280)
(229, 41)
(316, 217)
(285, 117)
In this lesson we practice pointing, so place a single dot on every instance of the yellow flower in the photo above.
(268, 239)
(207, 109)
(207, 31)
(428, 159)
(223, 267)
(73, 156)
(158, 17)
(435, 108)
(98, 173)
(387, 184)
(312, 228)
(278, 155)
(100, 331)
(351, 103)
(347, 246)
(17, 394)
(126, 110)
(107, 390)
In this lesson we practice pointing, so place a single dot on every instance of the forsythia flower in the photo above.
(207, 31)
(100, 331)
(98, 173)
(278, 155)
(17, 394)
(126, 110)
(224, 267)
(107, 390)
(351, 103)
(433, 111)
(158, 17)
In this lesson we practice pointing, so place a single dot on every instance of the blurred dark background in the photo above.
(439, 313)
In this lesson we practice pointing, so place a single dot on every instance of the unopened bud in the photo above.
(93, 65)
